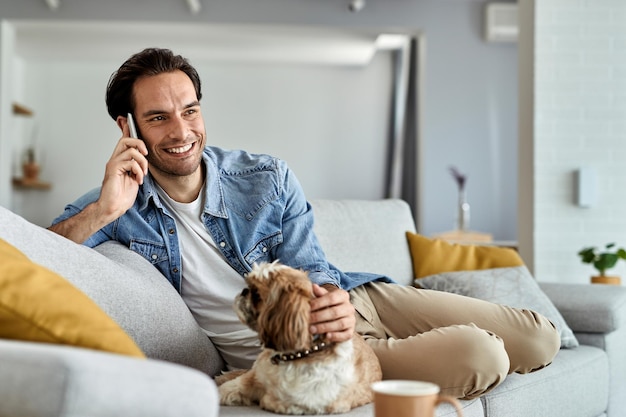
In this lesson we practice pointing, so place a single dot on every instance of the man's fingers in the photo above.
(134, 156)
(325, 298)
(332, 333)
(126, 143)
(134, 169)
(125, 129)
(319, 291)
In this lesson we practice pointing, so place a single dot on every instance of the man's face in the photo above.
(169, 120)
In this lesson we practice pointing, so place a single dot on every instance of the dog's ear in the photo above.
(283, 323)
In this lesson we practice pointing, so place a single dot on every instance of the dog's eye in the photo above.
(245, 292)
(255, 297)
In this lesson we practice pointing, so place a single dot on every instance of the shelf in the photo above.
(21, 183)
(21, 110)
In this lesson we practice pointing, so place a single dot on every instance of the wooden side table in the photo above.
(469, 237)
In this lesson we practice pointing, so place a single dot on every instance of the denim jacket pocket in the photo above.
(153, 252)
(261, 252)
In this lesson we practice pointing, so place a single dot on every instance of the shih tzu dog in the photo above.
(296, 372)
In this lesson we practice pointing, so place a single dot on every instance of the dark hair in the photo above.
(149, 62)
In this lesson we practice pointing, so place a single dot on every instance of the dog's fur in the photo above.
(330, 380)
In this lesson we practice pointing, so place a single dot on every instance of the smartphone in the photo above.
(131, 126)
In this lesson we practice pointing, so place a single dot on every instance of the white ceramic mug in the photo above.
(399, 398)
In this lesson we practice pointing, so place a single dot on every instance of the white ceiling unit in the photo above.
(53, 4)
(501, 24)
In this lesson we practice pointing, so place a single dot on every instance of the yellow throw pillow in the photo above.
(38, 305)
(433, 256)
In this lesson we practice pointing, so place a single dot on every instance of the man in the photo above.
(203, 216)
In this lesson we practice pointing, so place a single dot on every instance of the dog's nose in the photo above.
(244, 292)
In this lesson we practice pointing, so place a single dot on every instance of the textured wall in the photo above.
(580, 121)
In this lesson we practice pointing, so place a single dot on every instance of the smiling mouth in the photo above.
(180, 149)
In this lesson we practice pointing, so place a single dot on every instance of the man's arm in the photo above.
(124, 172)
(81, 226)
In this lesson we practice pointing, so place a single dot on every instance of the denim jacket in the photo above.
(255, 210)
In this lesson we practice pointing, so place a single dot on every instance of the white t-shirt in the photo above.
(209, 285)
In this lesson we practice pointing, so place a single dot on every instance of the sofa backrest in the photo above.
(366, 235)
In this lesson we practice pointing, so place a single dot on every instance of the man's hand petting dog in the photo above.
(332, 314)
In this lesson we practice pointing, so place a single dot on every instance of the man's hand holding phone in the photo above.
(123, 175)
(124, 171)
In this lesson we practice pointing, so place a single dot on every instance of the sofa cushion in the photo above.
(446, 257)
(489, 273)
(40, 306)
(575, 384)
(127, 287)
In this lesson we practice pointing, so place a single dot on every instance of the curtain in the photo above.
(404, 152)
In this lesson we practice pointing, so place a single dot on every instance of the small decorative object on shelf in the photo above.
(30, 167)
(30, 172)
(463, 216)
(603, 260)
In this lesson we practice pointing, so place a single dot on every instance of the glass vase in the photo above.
(463, 215)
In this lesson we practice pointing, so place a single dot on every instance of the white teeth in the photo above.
(181, 149)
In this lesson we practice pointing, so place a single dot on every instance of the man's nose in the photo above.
(178, 128)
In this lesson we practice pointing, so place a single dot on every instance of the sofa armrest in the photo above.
(589, 308)
(44, 380)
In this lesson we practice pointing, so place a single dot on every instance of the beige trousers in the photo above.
(465, 345)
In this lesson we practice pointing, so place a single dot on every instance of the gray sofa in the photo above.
(38, 379)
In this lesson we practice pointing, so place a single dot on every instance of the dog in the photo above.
(296, 372)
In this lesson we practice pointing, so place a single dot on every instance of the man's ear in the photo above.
(122, 123)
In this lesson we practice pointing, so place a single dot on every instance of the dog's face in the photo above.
(276, 306)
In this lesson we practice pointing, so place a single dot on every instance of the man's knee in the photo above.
(485, 363)
(537, 348)
(464, 360)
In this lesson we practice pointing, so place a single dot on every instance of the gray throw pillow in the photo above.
(512, 286)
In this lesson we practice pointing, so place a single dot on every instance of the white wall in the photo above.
(469, 120)
(580, 120)
(328, 122)
(7, 44)
(470, 96)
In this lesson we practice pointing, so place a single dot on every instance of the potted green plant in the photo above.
(603, 260)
